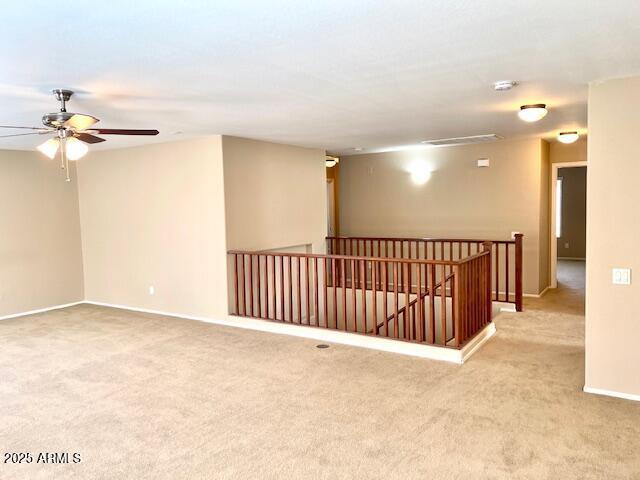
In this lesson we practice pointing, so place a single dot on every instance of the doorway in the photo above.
(568, 224)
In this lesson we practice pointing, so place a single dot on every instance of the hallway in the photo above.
(569, 296)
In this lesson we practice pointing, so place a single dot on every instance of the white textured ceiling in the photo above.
(333, 74)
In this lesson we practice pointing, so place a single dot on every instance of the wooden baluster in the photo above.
(407, 301)
(258, 289)
(420, 327)
(506, 269)
(452, 294)
(334, 268)
(266, 285)
(299, 292)
(282, 288)
(497, 298)
(432, 305)
(395, 299)
(488, 247)
(251, 285)
(273, 287)
(378, 263)
(344, 295)
(306, 285)
(518, 272)
(364, 294)
(315, 286)
(326, 300)
(290, 289)
(353, 295)
(443, 304)
(374, 295)
(384, 294)
(244, 285)
(235, 282)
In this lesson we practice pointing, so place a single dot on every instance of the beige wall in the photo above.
(574, 212)
(573, 152)
(613, 236)
(154, 215)
(40, 255)
(460, 200)
(275, 195)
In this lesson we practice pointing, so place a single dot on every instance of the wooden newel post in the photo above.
(457, 305)
(518, 237)
(488, 247)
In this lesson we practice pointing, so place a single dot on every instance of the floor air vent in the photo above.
(492, 137)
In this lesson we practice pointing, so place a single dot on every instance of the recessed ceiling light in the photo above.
(568, 137)
(358, 149)
(504, 85)
(532, 113)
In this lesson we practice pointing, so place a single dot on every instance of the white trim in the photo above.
(504, 306)
(611, 393)
(552, 230)
(431, 352)
(480, 339)
(537, 295)
(40, 310)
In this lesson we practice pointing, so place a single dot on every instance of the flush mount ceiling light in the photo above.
(568, 137)
(331, 161)
(532, 113)
(504, 85)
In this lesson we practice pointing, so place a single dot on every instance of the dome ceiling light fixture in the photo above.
(568, 137)
(532, 113)
(331, 161)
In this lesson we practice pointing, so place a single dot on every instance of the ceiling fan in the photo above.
(72, 132)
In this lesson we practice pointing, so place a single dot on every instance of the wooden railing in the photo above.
(436, 302)
(506, 257)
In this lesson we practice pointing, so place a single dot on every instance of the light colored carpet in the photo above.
(150, 397)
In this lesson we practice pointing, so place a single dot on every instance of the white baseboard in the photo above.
(537, 295)
(611, 393)
(445, 354)
(431, 352)
(40, 310)
(480, 339)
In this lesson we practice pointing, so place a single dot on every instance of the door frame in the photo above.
(554, 240)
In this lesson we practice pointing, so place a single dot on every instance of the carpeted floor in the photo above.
(148, 397)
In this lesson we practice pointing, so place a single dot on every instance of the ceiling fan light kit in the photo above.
(72, 132)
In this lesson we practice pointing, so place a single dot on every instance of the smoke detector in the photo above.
(504, 85)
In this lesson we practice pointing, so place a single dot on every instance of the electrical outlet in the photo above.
(152, 290)
(513, 235)
(566, 245)
(622, 276)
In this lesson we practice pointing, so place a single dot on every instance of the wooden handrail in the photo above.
(422, 239)
(349, 257)
(415, 300)
(507, 257)
(341, 292)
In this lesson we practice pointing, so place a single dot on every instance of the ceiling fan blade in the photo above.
(120, 131)
(23, 134)
(23, 128)
(80, 122)
(88, 138)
